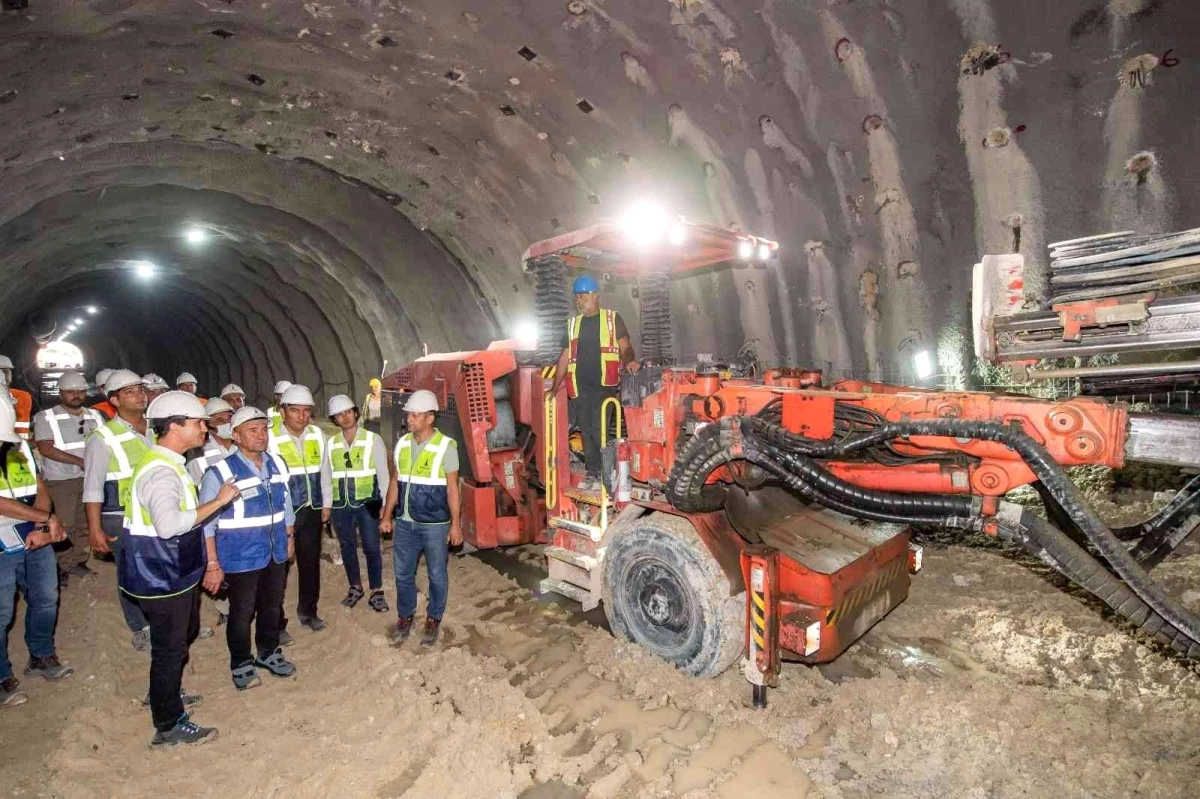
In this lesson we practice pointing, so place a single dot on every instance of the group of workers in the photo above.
(217, 498)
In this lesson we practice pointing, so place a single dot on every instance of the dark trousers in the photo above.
(135, 617)
(361, 522)
(585, 414)
(254, 596)
(174, 625)
(308, 564)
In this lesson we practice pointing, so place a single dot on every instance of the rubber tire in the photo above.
(713, 636)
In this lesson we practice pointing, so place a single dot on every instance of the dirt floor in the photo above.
(990, 681)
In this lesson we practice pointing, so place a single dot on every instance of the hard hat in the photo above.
(247, 413)
(422, 401)
(232, 389)
(216, 405)
(374, 382)
(176, 403)
(186, 377)
(119, 379)
(8, 421)
(154, 382)
(72, 381)
(5, 362)
(584, 284)
(339, 403)
(282, 386)
(102, 377)
(296, 395)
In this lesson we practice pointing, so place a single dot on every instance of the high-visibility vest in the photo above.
(125, 451)
(18, 480)
(303, 466)
(423, 484)
(252, 531)
(149, 566)
(55, 419)
(610, 351)
(105, 409)
(354, 466)
(23, 407)
(210, 456)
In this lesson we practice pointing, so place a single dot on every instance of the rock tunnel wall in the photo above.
(885, 144)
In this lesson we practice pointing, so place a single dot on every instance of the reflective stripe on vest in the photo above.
(55, 421)
(234, 517)
(610, 351)
(125, 450)
(304, 467)
(361, 469)
(252, 531)
(210, 457)
(18, 480)
(150, 566)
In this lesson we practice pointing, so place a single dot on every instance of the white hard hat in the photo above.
(72, 381)
(232, 388)
(186, 377)
(422, 401)
(282, 386)
(176, 403)
(5, 362)
(8, 421)
(216, 405)
(153, 381)
(339, 403)
(102, 377)
(119, 379)
(296, 395)
(246, 413)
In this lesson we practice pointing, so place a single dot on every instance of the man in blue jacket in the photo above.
(248, 547)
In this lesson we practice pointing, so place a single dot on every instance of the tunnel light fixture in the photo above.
(526, 334)
(923, 364)
(745, 249)
(144, 269)
(678, 234)
(92, 310)
(195, 235)
(644, 224)
(77, 321)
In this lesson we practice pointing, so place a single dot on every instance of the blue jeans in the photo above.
(36, 575)
(409, 541)
(345, 522)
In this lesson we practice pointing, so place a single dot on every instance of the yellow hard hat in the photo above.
(374, 382)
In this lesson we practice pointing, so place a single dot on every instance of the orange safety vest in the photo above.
(23, 407)
(106, 408)
(610, 351)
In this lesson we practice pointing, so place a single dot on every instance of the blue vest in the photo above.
(149, 566)
(251, 531)
(423, 483)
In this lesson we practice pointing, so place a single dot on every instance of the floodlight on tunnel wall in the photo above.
(92, 309)
(144, 269)
(923, 364)
(77, 321)
(195, 235)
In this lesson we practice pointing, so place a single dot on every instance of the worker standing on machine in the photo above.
(110, 456)
(301, 445)
(372, 408)
(22, 400)
(423, 505)
(595, 349)
(27, 528)
(234, 395)
(61, 433)
(354, 476)
(249, 545)
(162, 558)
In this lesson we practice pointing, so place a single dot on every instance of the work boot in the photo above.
(141, 639)
(48, 667)
(285, 638)
(246, 677)
(9, 695)
(314, 623)
(402, 631)
(189, 700)
(276, 663)
(185, 731)
(429, 635)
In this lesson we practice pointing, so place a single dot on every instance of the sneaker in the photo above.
(141, 639)
(9, 695)
(189, 700)
(403, 630)
(276, 663)
(48, 667)
(429, 635)
(314, 623)
(246, 677)
(185, 731)
(205, 632)
(285, 638)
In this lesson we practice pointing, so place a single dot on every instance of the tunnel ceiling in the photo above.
(370, 171)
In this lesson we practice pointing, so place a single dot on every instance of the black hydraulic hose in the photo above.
(1064, 555)
(1181, 506)
(1068, 495)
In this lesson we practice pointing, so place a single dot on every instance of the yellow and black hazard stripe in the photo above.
(758, 619)
(864, 592)
(548, 372)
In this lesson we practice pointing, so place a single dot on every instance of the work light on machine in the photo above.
(645, 224)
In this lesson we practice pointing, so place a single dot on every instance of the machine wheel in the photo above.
(664, 590)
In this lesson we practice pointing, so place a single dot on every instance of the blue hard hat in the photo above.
(584, 284)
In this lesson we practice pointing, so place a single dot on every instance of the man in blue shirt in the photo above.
(249, 544)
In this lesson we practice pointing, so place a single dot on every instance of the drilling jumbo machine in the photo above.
(758, 513)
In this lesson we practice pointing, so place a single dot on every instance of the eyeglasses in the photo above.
(82, 422)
